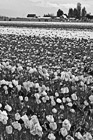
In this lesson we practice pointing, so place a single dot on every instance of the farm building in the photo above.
(31, 15)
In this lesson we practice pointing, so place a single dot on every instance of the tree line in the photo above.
(76, 13)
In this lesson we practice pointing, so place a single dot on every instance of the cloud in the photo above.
(55, 5)
(59, 5)
(46, 3)
(69, 5)
(35, 1)
(66, 5)
(40, 3)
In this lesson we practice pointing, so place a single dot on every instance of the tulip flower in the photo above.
(9, 129)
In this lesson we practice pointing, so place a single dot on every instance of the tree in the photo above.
(70, 13)
(89, 16)
(75, 13)
(59, 13)
(78, 10)
(84, 12)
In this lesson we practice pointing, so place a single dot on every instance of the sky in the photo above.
(20, 8)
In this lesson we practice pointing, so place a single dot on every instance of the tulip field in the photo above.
(46, 84)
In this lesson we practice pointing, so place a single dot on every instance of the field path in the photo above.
(78, 25)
